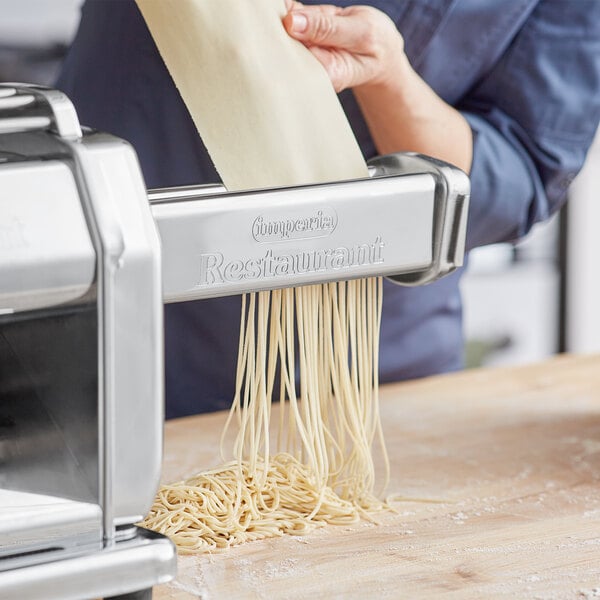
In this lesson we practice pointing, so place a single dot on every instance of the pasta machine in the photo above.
(87, 258)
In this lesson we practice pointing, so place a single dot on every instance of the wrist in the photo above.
(397, 80)
(404, 114)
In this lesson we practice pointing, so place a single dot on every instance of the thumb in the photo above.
(325, 26)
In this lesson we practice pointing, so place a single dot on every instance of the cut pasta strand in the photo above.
(323, 469)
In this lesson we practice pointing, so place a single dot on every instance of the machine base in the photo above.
(127, 570)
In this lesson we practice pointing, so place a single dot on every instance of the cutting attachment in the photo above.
(407, 221)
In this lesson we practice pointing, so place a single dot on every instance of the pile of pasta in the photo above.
(313, 463)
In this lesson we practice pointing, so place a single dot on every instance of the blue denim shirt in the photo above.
(526, 75)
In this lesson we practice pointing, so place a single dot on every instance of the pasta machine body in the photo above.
(87, 258)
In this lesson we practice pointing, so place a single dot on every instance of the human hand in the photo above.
(357, 45)
(360, 48)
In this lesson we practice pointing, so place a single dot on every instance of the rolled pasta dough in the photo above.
(261, 102)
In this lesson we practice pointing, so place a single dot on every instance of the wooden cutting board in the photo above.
(511, 458)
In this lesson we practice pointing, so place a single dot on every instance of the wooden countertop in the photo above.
(512, 454)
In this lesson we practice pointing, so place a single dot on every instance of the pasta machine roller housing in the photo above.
(87, 258)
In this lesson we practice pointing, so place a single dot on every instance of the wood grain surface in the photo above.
(511, 461)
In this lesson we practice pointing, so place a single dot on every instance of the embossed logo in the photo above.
(320, 223)
(217, 269)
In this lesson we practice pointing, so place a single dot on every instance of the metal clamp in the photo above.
(25, 107)
(452, 191)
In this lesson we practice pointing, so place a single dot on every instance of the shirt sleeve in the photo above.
(533, 118)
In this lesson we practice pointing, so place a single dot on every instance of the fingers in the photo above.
(357, 45)
(331, 26)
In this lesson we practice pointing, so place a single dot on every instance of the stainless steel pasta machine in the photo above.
(83, 278)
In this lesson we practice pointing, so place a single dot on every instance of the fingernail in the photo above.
(299, 22)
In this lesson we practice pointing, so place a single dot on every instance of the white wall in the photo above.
(583, 270)
(38, 22)
(514, 305)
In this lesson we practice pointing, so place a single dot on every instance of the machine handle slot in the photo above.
(25, 107)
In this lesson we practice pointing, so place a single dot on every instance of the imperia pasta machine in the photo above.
(83, 278)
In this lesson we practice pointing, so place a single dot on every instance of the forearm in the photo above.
(404, 114)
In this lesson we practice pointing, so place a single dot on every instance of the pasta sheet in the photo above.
(263, 105)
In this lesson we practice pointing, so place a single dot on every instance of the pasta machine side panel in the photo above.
(131, 306)
(46, 255)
